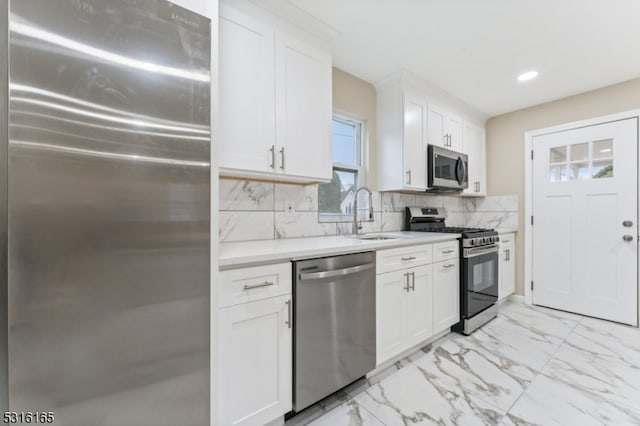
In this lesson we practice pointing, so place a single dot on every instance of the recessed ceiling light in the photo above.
(529, 75)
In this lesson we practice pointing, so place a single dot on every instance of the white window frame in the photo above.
(359, 169)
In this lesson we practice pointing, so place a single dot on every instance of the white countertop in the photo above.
(247, 253)
(506, 230)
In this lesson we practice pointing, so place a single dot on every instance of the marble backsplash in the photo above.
(254, 210)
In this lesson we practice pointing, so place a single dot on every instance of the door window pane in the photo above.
(580, 152)
(557, 173)
(579, 171)
(558, 155)
(603, 149)
(602, 169)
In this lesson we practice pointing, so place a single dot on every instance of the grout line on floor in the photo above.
(545, 364)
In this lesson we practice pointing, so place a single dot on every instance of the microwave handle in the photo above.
(461, 171)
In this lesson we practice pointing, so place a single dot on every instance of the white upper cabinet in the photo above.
(415, 132)
(274, 102)
(408, 121)
(445, 128)
(247, 93)
(303, 116)
(473, 144)
(402, 131)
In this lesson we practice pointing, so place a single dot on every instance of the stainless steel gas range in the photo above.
(478, 266)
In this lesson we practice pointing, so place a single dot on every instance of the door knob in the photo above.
(627, 238)
(627, 224)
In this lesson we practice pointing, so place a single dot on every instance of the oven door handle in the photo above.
(479, 251)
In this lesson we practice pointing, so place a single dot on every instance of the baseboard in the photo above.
(517, 298)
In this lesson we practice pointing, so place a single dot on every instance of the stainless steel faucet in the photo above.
(356, 226)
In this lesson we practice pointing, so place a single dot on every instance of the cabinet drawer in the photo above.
(507, 239)
(255, 283)
(446, 250)
(402, 257)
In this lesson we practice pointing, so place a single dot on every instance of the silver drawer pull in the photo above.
(448, 251)
(264, 284)
(451, 265)
(409, 258)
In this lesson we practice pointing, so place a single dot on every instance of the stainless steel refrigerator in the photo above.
(105, 211)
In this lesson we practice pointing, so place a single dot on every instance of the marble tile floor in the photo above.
(529, 366)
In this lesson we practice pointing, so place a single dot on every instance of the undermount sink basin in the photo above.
(377, 237)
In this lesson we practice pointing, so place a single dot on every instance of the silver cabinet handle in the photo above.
(336, 273)
(508, 255)
(627, 238)
(505, 241)
(447, 251)
(409, 177)
(406, 281)
(413, 281)
(450, 265)
(288, 303)
(627, 224)
(273, 156)
(282, 158)
(408, 258)
(254, 286)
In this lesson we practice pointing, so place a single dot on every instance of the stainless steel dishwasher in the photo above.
(334, 324)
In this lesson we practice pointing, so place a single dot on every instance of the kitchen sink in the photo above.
(369, 237)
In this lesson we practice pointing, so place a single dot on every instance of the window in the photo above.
(335, 198)
(580, 161)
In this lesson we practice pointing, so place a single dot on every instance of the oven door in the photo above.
(479, 279)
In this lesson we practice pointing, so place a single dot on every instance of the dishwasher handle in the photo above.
(335, 273)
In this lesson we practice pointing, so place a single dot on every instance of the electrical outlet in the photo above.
(289, 208)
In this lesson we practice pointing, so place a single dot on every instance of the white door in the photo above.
(585, 248)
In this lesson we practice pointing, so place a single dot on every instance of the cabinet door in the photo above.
(247, 94)
(474, 146)
(419, 305)
(415, 135)
(391, 289)
(255, 364)
(446, 294)
(454, 130)
(506, 266)
(303, 109)
(437, 127)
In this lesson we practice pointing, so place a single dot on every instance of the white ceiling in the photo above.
(474, 49)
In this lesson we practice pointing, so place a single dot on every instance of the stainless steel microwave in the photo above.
(447, 170)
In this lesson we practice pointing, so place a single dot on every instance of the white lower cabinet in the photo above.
(403, 310)
(446, 294)
(254, 365)
(507, 266)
